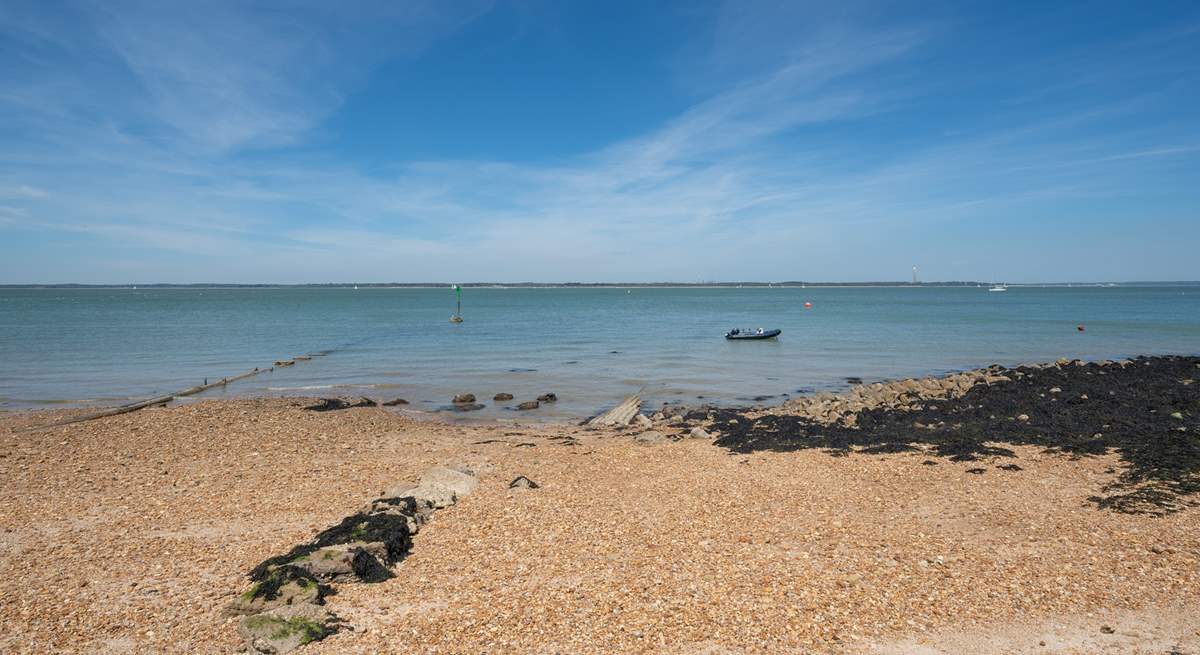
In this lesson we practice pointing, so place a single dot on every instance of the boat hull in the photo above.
(754, 336)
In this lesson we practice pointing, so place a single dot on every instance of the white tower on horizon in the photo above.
(914, 274)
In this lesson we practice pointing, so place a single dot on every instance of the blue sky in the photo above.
(609, 141)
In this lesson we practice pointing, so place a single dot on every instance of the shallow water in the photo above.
(590, 346)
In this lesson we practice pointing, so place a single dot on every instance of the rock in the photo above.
(649, 436)
(463, 398)
(1158, 549)
(462, 484)
(641, 421)
(502, 397)
(397, 401)
(1055, 390)
(1023, 417)
(522, 482)
(353, 562)
(529, 404)
(434, 496)
(284, 585)
(466, 407)
(1107, 629)
(390, 530)
(699, 433)
(547, 398)
(284, 629)
(333, 404)
(1177, 415)
(284, 362)
(674, 420)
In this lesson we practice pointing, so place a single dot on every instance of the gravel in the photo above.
(132, 534)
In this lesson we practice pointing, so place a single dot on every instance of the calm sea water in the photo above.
(590, 346)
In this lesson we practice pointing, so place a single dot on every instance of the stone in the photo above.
(464, 398)
(1055, 390)
(466, 407)
(547, 398)
(462, 484)
(1107, 629)
(674, 420)
(699, 433)
(436, 496)
(529, 404)
(389, 530)
(649, 436)
(1023, 417)
(283, 585)
(502, 396)
(397, 401)
(522, 482)
(353, 562)
(641, 421)
(284, 629)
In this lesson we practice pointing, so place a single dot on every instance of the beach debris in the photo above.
(502, 397)
(463, 398)
(529, 404)
(622, 414)
(547, 398)
(522, 482)
(284, 606)
(395, 401)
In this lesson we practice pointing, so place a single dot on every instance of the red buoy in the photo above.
(808, 305)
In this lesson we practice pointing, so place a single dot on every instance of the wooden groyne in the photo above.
(164, 399)
(622, 414)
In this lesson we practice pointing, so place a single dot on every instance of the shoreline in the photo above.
(785, 529)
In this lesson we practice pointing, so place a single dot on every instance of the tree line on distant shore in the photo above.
(583, 285)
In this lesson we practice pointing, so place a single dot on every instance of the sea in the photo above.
(591, 347)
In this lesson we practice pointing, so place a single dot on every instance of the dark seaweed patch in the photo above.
(1148, 412)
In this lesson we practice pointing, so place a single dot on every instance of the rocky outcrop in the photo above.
(463, 398)
(548, 398)
(501, 397)
(283, 609)
(285, 629)
(529, 404)
(334, 404)
(397, 401)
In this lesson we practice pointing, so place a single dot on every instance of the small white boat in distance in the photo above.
(999, 287)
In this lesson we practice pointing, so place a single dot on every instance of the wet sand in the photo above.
(131, 534)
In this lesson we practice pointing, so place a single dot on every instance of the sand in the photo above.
(130, 534)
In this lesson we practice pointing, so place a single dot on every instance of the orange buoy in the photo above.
(808, 305)
(1079, 327)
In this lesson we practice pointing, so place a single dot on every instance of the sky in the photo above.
(295, 142)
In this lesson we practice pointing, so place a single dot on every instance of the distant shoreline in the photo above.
(601, 285)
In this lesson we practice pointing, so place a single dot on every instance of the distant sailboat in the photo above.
(457, 318)
(999, 287)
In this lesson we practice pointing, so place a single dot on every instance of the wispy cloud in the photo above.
(773, 174)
